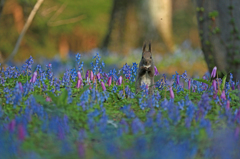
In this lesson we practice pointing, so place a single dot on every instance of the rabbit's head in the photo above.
(147, 56)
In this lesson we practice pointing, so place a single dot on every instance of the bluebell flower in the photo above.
(17, 95)
(78, 57)
(114, 89)
(27, 67)
(137, 126)
(126, 71)
(73, 74)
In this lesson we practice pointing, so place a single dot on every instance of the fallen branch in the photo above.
(58, 12)
(25, 28)
(49, 10)
(66, 21)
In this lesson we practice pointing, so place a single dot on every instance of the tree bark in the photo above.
(1, 6)
(161, 14)
(219, 26)
(134, 21)
(117, 21)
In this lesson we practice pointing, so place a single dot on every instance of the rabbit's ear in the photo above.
(144, 47)
(150, 47)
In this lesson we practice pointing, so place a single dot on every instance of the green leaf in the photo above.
(40, 99)
(53, 97)
(84, 89)
(223, 81)
(63, 97)
(202, 80)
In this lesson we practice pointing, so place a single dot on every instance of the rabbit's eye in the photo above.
(151, 57)
(142, 57)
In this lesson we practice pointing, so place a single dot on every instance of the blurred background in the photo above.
(114, 28)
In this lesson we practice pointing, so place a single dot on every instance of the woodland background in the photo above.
(119, 27)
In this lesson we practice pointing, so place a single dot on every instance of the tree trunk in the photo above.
(219, 26)
(1, 6)
(161, 14)
(134, 21)
(116, 25)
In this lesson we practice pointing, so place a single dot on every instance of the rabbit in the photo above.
(145, 74)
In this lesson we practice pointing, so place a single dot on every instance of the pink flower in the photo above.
(81, 150)
(87, 74)
(21, 132)
(98, 76)
(228, 105)
(34, 77)
(155, 71)
(119, 82)
(237, 131)
(214, 72)
(48, 99)
(105, 75)
(79, 75)
(171, 93)
(91, 76)
(90, 88)
(193, 89)
(20, 86)
(103, 86)
(223, 96)
(189, 84)
(109, 82)
(215, 95)
(79, 82)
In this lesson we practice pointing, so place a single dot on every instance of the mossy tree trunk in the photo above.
(219, 26)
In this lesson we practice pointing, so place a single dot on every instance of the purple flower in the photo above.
(87, 74)
(20, 86)
(228, 105)
(171, 93)
(79, 82)
(119, 82)
(214, 71)
(81, 150)
(79, 75)
(11, 125)
(48, 99)
(214, 85)
(21, 132)
(215, 94)
(223, 95)
(233, 87)
(61, 134)
(109, 82)
(34, 77)
(155, 71)
(91, 76)
(103, 86)
(177, 80)
(98, 76)
(189, 84)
